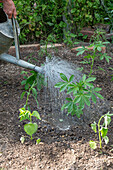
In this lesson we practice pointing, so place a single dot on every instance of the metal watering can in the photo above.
(9, 31)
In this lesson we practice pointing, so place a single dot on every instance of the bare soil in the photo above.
(66, 150)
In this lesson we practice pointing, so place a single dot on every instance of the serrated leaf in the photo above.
(93, 126)
(30, 128)
(92, 144)
(63, 77)
(36, 114)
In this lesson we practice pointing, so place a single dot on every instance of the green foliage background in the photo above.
(42, 18)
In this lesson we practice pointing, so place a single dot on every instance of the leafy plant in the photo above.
(82, 93)
(30, 128)
(101, 130)
(97, 48)
(30, 83)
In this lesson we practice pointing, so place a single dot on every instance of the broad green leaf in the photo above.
(63, 77)
(93, 126)
(106, 139)
(99, 48)
(34, 91)
(77, 99)
(93, 98)
(99, 95)
(104, 131)
(89, 84)
(22, 95)
(70, 90)
(86, 100)
(97, 89)
(92, 144)
(30, 128)
(84, 77)
(80, 53)
(36, 114)
(90, 79)
(63, 87)
(71, 78)
(59, 84)
(23, 82)
(70, 107)
(69, 99)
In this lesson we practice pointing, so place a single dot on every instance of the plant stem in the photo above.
(100, 140)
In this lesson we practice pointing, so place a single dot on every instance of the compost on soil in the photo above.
(59, 149)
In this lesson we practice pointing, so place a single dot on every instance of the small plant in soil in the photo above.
(101, 130)
(97, 53)
(79, 93)
(30, 128)
(30, 83)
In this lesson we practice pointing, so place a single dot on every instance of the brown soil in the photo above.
(66, 150)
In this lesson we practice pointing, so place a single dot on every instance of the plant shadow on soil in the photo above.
(58, 149)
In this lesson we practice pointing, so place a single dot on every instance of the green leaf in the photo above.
(93, 98)
(104, 131)
(90, 79)
(68, 99)
(23, 82)
(30, 128)
(71, 78)
(99, 95)
(59, 84)
(22, 95)
(34, 91)
(36, 114)
(92, 144)
(89, 84)
(63, 77)
(63, 87)
(86, 100)
(93, 126)
(38, 141)
(106, 139)
(77, 99)
(107, 120)
(84, 77)
(80, 53)
(97, 89)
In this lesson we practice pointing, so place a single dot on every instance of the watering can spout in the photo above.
(9, 31)
(21, 63)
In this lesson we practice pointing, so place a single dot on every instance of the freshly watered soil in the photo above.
(58, 149)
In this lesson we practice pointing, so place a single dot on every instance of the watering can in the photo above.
(9, 32)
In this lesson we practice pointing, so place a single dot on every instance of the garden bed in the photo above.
(58, 149)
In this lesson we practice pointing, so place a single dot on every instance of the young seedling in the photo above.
(82, 93)
(97, 47)
(30, 128)
(101, 130)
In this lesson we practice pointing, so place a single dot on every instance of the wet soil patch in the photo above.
(58, 149)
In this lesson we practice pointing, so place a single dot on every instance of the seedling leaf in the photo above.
(36, 114)
(92, 144)
(30, 128)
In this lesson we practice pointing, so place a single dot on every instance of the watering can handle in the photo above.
(16, 38)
